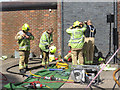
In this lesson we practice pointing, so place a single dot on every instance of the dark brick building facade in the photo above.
(39, 19)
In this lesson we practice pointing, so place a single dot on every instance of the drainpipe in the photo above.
(115, 29)
(62, 31)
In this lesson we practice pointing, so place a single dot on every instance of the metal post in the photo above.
(110, 38)
(62, 31)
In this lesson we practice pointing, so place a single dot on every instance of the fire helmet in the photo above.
(52, 49)
(76, 23)
(25, 27)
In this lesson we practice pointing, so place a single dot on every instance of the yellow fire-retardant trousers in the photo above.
(77, 54)
(89, 50)
(23, 62)
(45, 57)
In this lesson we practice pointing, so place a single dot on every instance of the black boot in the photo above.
(22, 71)
(26, 69)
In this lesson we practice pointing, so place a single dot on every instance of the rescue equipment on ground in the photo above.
(34, 85)
(49, 78)
(55, 69)
(62, 64)
(45, 76)
(63, 73)
(85, 73)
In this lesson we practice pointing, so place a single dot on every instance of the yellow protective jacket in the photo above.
(24, 43)
(45, 41)
(77, 36)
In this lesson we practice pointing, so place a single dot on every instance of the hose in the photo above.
(115, 84)
(49, 87)
(67, 80)
(8, 69)
(5, 78)
(57, 82)
(34, 74)
(114, 73)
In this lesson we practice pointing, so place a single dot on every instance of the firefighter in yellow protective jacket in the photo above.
(46, 41)
(23, 38)
(77, 41)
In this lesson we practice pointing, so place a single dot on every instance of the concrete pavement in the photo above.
(106, 76)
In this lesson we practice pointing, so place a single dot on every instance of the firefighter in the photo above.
(77, 41)
(46, 41)
(23, 38)
(89, 43)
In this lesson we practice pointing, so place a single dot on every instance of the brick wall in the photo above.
(118, 24)
(39, 21)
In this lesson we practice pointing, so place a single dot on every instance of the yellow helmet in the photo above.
(25, 27)
(76, 23)
(52, 49)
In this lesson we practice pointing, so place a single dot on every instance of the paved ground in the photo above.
(105, 76)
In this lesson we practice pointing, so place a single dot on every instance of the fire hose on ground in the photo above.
(114, 74)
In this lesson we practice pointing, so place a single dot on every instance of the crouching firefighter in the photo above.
(77, 41)
(46, 41)
(23, 38)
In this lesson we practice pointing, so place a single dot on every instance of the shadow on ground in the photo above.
(9, 78)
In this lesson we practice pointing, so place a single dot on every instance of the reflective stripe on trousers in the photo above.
(24, 46)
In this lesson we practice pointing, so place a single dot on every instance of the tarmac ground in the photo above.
(106, 77)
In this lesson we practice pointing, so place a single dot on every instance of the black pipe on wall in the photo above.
(13, 6)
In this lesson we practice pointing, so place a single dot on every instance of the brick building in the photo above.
(37, 15)
(118, 23)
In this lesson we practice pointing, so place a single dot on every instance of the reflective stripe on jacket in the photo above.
(77, 37)
(24, 43)
(45, 41)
